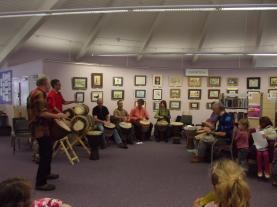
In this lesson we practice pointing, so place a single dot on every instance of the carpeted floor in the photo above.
(147, 175)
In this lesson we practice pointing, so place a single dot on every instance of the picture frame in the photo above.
(117, 81)
(157, 80)
(213, 94)
(232, 81)
(273, 81)
(272, 93)
(156, 105)
(96, 95)
(194, 81)
(194, 105)
(80, 97)
(97, 80)
(140, 80)
(175, 105)
(140, 94)
(79, 83)
(214, 81)
(175, 81)
(209, 105)
(157, 94)
(175, 93)
(253, 83)
(232, 91)
(194, 94)
(117, 94)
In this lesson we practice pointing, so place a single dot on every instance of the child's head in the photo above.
(230, 186)
(264, 122)
(15, 192)
(243, 124)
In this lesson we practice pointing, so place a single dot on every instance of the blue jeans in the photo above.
(116, 136)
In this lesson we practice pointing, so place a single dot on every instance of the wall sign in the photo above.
(6, 87)
(197, 72)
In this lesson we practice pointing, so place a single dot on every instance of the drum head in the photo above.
(109, 126)
(63, 125)
(125, 125)
(94, 133)
(175, 123)
(145, 122)
(81, 109)
(79, 123)
(162, 123)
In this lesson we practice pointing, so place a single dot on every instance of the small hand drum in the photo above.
(109, 129)
(125, 127)
(145, 126)
(162, 126)
(79, 124)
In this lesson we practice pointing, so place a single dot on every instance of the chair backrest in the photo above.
(186, 119)
(20, 125)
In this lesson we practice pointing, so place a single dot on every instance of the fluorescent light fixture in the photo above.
(248, 8)
(262, 54)
(175, 9)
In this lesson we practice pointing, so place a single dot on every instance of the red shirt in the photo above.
(55, 100)
(137, 114)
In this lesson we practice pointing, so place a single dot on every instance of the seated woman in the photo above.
(230, 187)
(162, 131)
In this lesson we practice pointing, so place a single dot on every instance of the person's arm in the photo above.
(157, 115)
(270, 133)
(133, 115)
(227, 129)
(98, 120)
(44, 111)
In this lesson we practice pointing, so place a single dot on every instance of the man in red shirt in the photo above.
(55, 99)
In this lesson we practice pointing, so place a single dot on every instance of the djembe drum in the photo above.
(81, 109)
(94, 140)
(59, 129)
(125, 131)
(162, 127)
(69, 112)
(145, 126)
(176, 132)
(109, 129)
(79, 124)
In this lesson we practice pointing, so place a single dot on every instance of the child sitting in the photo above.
(230, 187)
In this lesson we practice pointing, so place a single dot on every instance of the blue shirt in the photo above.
(226, 124)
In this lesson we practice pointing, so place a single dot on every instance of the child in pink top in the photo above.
(242, 138)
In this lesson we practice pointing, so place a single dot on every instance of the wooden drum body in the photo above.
(145, 126)
(79, 124)
(94, 139)
(162, 126)
(109, 129)
(59, 129)
(69, 112)
(177, 128)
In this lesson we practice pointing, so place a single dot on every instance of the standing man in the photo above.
(101, 116)
(55, 98)
(40, 118)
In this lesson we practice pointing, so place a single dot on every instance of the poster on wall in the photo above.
(6, 87)
(254, 111)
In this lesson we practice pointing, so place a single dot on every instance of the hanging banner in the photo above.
(197, 72)
(5, 87)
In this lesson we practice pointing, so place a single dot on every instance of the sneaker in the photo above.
(46, 187)
(267, 176)
(260, 174)
(52, 177)
(139, 143)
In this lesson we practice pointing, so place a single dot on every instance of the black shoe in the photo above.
(122, 146)
(52, 177)
(94, 155)
(46, 187)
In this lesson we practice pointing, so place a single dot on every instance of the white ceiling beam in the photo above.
(26, 31)
(94, 33)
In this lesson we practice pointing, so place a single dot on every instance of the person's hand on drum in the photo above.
(207, 130)
(61, 116)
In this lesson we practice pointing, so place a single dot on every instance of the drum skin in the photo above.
(109, 129)
(58, 131)
(79, 124)
(81, 109)
(125, 127)
(145, 125)
(162, 126)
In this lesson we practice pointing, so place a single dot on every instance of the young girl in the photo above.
(269, 133)
(230, 187)
(242, 144)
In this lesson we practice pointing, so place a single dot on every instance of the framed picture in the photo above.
(140, 93)
(194, 105)
(253, 83)
(156, 105)
(232, 91)
(194, 94)
(194, 81)
(80, 97)
(175, 93)
(175, 105)
(79, 83)
(140, 80)
(96, 95)
(214, 81)
(97, 80)
(213, 93)
(175, 81)
(272, 93)
(117, 81)
(157, 80)
(232, 81)
(157, 94)
(144, 105)
(209, 105)
(273, 81)
(117, 94)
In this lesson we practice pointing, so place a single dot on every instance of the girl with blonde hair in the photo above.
(230, 187)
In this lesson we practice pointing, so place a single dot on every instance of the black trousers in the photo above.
(138, 133)
(45, 157)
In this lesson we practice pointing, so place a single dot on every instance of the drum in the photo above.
(59, 129)
(109, 129)
(69, 112)
(81, 109)
(145, 126)
(94, 140)
(91, 121)
(162, 126)
(79, 124)
(125, 127)
(176, 131)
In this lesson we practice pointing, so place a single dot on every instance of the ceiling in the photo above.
(80, 36)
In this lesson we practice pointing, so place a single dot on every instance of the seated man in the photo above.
(121, 115)
(101, 116)
(223, 133)
(140, 114)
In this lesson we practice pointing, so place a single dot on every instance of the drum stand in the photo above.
(65, 146)
(78, 140)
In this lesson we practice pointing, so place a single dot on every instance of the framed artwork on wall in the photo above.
(175, 81)
(117, 94)
(209, 105)
(79, 83)
(140, 93)
(214, 81)
(194, 81)
(213, 93)
(140, 80)
(96, 95)
(231, 81)
(157, 94)
(253, 83)
(97, 80)
(80, 97)
(273, 81)
(117, 81)
(232, 91)
(194, 105)
(194, 94)
(272, 93)
(156, 105)
(175, 105)
(157, 80)
(175, 93)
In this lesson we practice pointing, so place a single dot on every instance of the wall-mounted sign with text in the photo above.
(197, 72)
(5, 87)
